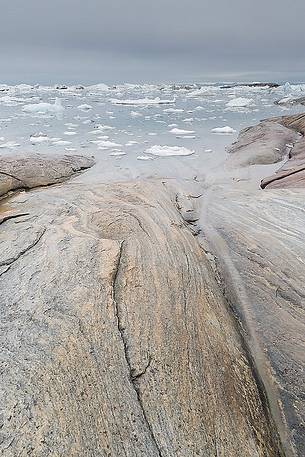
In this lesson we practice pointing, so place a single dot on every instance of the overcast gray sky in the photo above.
(113, 41)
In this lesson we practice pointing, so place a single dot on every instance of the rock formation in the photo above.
(116, 339)
(292, 173)
(265, 143)
(257, 242)
(38, 170)
(151, 318)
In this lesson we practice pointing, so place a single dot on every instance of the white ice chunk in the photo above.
(107, 144)
(143, 101)
(44, 108)
(181, 131)
(9, 145)
(240, 102)
(226, 130)
(39, 138)
(135, 114)
(187, 137)
(167, 151)
(173, 110)
(118, 153)
(144, 158)
(84, 107)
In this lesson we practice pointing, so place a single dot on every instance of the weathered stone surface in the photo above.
(262, 144)
(256, 239)
(115, 338)
(38, 170)
(292, 173)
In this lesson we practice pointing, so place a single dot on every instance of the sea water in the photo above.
(136, 130)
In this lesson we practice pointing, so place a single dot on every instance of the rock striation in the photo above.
(115, 337)
(265, 143)
(37, 170)
(292, 173)
(256, 238)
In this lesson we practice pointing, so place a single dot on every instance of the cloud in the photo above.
(194, 37)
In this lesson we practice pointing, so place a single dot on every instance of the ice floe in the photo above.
(118, 153)
(38, 138)
(173, 110)
(167, 151)
(240, 102)
(135, 114)
(142, 101)
(84, 107)
(224, 130)
(105, 144)
(177, 131)
(144, 158)
(9, 145)
(187, 137)
(44, 108)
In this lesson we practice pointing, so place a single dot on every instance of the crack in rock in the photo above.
(133, 378)
(12, 216)
(24, 251)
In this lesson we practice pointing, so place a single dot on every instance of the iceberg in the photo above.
(143, 101)
(44, 108)
(167, 151)
(225, 130)
(240, 102)
(181, 131)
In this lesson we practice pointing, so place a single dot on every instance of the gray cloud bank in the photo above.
(146, 41)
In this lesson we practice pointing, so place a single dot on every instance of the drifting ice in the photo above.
(227, 130)
(240, 102)
(167, 151)
(143, 101)
(44, 108)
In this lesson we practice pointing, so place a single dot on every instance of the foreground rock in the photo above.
(257, 240)
(34, 171)
(115, 338)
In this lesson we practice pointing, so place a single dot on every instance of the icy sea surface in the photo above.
(136, 130)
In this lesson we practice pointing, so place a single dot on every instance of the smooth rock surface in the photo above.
(292, 173)
(262, 144)
(38, 170)
(256, 244)
(115, 337)
(258, 241)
